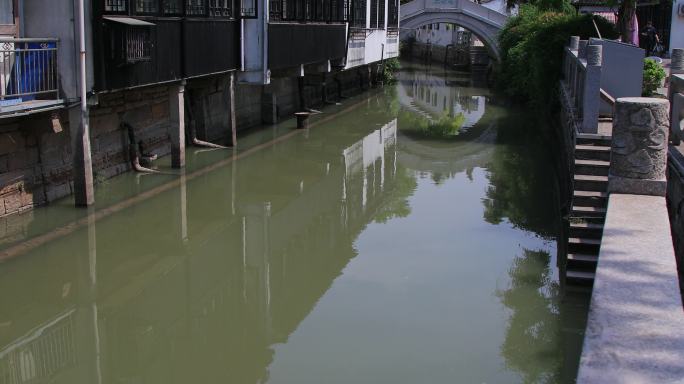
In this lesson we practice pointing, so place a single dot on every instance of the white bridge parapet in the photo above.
(484, 22)
(416, 7)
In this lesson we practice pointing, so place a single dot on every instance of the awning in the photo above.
(129, 21)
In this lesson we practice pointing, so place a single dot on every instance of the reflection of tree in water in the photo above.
(395, 199)
(521, 180)
(445, 127)
(533, 346)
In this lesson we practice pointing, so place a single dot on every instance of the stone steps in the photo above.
(578, 262)
(592, 152)
(579, 211)
(589, 206)
(581, 278)
(590, 198)
(582, 245)
(591, 167)
(590, 183)
(586, 230)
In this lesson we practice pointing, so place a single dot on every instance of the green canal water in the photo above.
(409, 236)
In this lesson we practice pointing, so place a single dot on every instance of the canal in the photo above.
(408, 236)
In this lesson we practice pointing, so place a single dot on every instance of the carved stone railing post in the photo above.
(591, 97)
(639, 152)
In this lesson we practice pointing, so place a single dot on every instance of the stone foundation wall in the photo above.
(675, 204)
(35, 151)
(436, 53)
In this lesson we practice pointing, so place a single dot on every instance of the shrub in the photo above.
(653, 77)
(389, 68)
(532, 46)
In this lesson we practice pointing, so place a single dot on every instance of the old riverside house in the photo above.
(94, 88)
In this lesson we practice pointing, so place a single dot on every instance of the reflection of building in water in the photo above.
(432, 96)
(203, 293)
(367, 158)
(41, 354)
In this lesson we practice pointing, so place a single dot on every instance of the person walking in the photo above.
(651, 37)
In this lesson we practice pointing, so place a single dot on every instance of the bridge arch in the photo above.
(485, 23)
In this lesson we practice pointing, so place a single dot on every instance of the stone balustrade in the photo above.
(582, 65)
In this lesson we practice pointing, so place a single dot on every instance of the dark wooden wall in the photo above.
(291, 44)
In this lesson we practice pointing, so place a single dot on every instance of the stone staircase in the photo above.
(588, 212)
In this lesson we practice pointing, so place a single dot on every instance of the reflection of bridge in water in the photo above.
(207, 288)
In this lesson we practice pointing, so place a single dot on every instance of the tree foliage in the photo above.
(532, 46)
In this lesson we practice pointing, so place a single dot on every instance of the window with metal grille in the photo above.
(115, 5)
(393, 14)
(374, 13)
(221, 8)
(275, 10)
(172, 7)
(146, 6)
(195, 7)
(138, 44)
(359, 13)
(248, 9)
(381, 14)
(130, 45)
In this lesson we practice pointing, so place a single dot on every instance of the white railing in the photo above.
(466, 6)
(28, 69)
(582, 81)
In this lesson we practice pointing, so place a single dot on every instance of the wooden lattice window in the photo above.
(116, 5)
(221, 8)
(195, 7)
(172, 7)
(146, 6)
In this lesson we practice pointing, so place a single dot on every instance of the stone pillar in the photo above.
(591, 96)
(79, 128)
(177, 124)
(639, 152)
(677, 62)
(582, 49)
(574, 43)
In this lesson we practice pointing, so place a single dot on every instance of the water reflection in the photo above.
(356, 252)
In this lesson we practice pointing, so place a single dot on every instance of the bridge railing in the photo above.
(466, 6)
(582, 80)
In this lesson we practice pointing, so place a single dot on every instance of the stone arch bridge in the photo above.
(484, 22)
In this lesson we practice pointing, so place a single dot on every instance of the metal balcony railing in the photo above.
(28, 70)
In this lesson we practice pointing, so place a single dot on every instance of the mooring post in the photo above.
(177, 124)
(302, 98)
(639, 150)
(591, 97)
